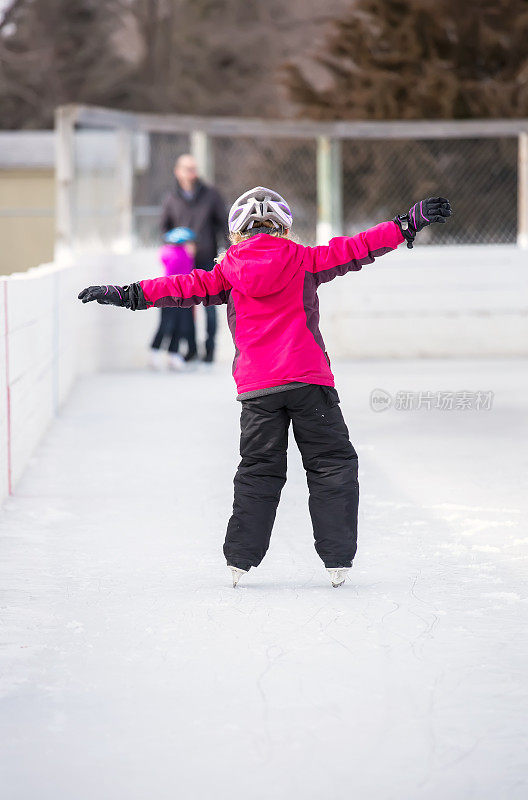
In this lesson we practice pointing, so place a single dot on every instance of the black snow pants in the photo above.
(331, 466)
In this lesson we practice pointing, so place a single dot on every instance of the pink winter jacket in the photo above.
(176, 260)
(270, 287)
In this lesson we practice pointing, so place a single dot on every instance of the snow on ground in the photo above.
(130, 668)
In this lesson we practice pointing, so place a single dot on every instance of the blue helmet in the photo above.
(179, 236)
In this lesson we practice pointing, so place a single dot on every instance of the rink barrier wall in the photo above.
(46, 344)
(432, 302)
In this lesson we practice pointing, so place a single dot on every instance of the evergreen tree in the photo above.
(420, 59)
(424, 59)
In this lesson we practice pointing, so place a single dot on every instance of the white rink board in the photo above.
(430, 302)
(44, 344)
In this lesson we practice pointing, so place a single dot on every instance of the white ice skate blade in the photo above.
(236, 573)
(176, 363)
(156, 361)
(337, 575)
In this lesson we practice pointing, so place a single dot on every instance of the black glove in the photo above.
(127, 296)
(434, 209)
(106, 295)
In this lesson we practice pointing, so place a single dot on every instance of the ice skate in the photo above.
(337, 575)
(237, 573)
(156, 359)
(176, 362)
(191, 355)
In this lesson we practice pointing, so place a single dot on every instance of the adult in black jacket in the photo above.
(195, 205)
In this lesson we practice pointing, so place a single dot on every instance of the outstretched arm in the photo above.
(346, 253)
(199, 286)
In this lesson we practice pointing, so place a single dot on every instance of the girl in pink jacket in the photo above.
(177, 257)
(281, 368)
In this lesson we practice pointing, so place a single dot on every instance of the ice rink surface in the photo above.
(131, 670)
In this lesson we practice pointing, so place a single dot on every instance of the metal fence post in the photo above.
(522, 188)
(64, 176)
(125, 188)
(329, 189)
(203, 152)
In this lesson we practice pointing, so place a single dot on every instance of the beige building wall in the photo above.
(27, 218)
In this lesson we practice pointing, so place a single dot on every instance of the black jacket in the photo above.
(205, 213)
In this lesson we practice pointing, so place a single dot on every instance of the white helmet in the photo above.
(259, 205)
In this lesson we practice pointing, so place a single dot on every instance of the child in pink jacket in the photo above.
(281, 368)
(177, 257)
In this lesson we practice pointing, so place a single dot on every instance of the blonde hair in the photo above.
(239, 236)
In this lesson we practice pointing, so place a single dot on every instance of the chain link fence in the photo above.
(117, 167)
(479, 176)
